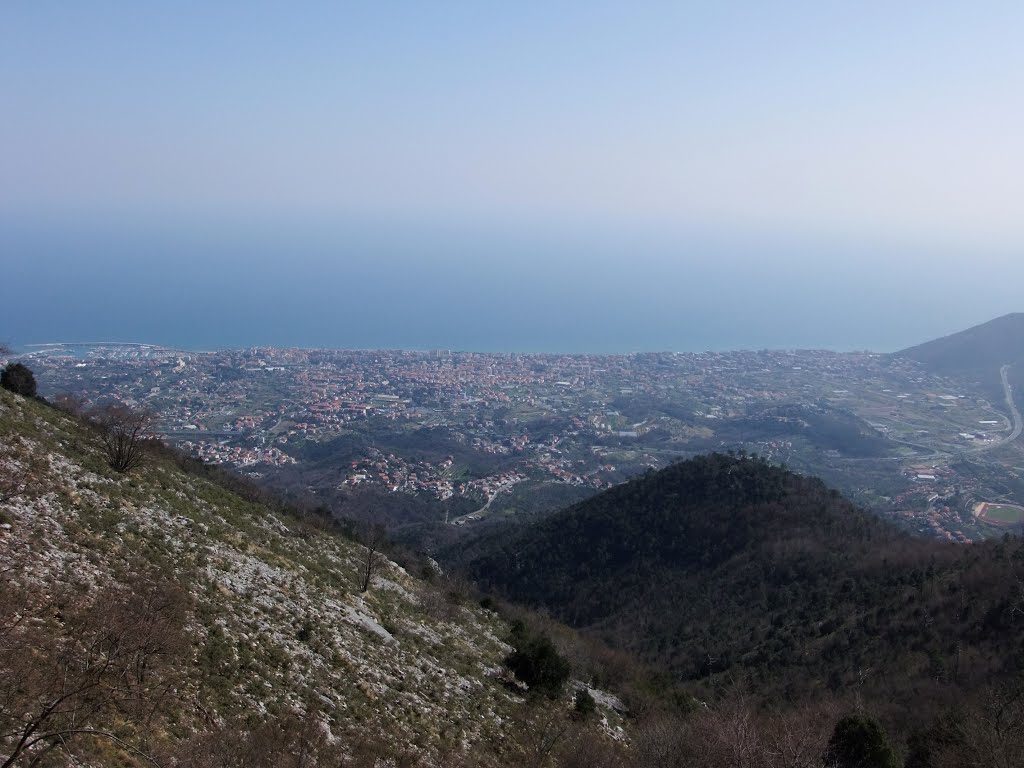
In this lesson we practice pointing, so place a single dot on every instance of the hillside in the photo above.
(976, 353)
(166, 617)
(724, 567)
(157, 617)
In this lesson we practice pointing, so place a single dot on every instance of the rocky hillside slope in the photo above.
(156, 618)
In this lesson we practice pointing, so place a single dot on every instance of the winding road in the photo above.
(463, 519)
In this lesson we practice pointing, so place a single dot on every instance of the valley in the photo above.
(480, 560)
(511, 385)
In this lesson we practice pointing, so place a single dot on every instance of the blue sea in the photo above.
(367, 285)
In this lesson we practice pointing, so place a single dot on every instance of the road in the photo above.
(1018, 423)
(191, 434)
(463, 519)
(1018, 428)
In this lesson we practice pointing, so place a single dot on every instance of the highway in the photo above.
(1018, 424)
(1018, 428)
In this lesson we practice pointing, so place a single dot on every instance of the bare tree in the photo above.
(538, 733)
(373, 536)
(587, 749)
(992, 733)
(730, 735)
(294, 739)
(125, 432)
(69, 403)
(72, 667)
(735, 734)
(798, 738)
(663, 741)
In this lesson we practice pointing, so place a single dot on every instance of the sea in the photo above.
(420, 288)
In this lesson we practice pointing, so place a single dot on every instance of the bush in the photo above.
(858, 741)
(537, 663)
(19, 379)
(126, 434)
(585, 705)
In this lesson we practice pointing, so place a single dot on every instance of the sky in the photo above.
(571, 176)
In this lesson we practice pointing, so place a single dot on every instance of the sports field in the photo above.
(1000, 514)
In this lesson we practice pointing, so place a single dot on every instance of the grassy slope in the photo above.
(275, 621)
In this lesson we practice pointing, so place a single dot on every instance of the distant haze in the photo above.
(577, 176)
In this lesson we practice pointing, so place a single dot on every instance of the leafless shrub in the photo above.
(663, 742)
(373, 537)
(445, 596)
(798, 738)
(436, 604)
(734, 733)
(74, 667)
(69, 403)
(125, 433)
(585, 749)
(730, 735)
(992, 732)
(294, 740)
(539, 734)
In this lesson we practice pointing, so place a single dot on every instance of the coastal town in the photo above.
(447, 425)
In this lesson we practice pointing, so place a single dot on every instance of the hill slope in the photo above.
(724, 566)
(977, 352)
(159, 613)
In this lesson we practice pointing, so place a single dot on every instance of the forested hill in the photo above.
(726, 564)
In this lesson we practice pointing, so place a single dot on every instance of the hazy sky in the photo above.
(801, 142)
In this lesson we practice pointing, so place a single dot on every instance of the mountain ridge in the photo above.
(980, 349)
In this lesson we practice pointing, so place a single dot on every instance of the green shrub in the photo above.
(585, 706)
(18, 379)
(537, 663)
(859, 741)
